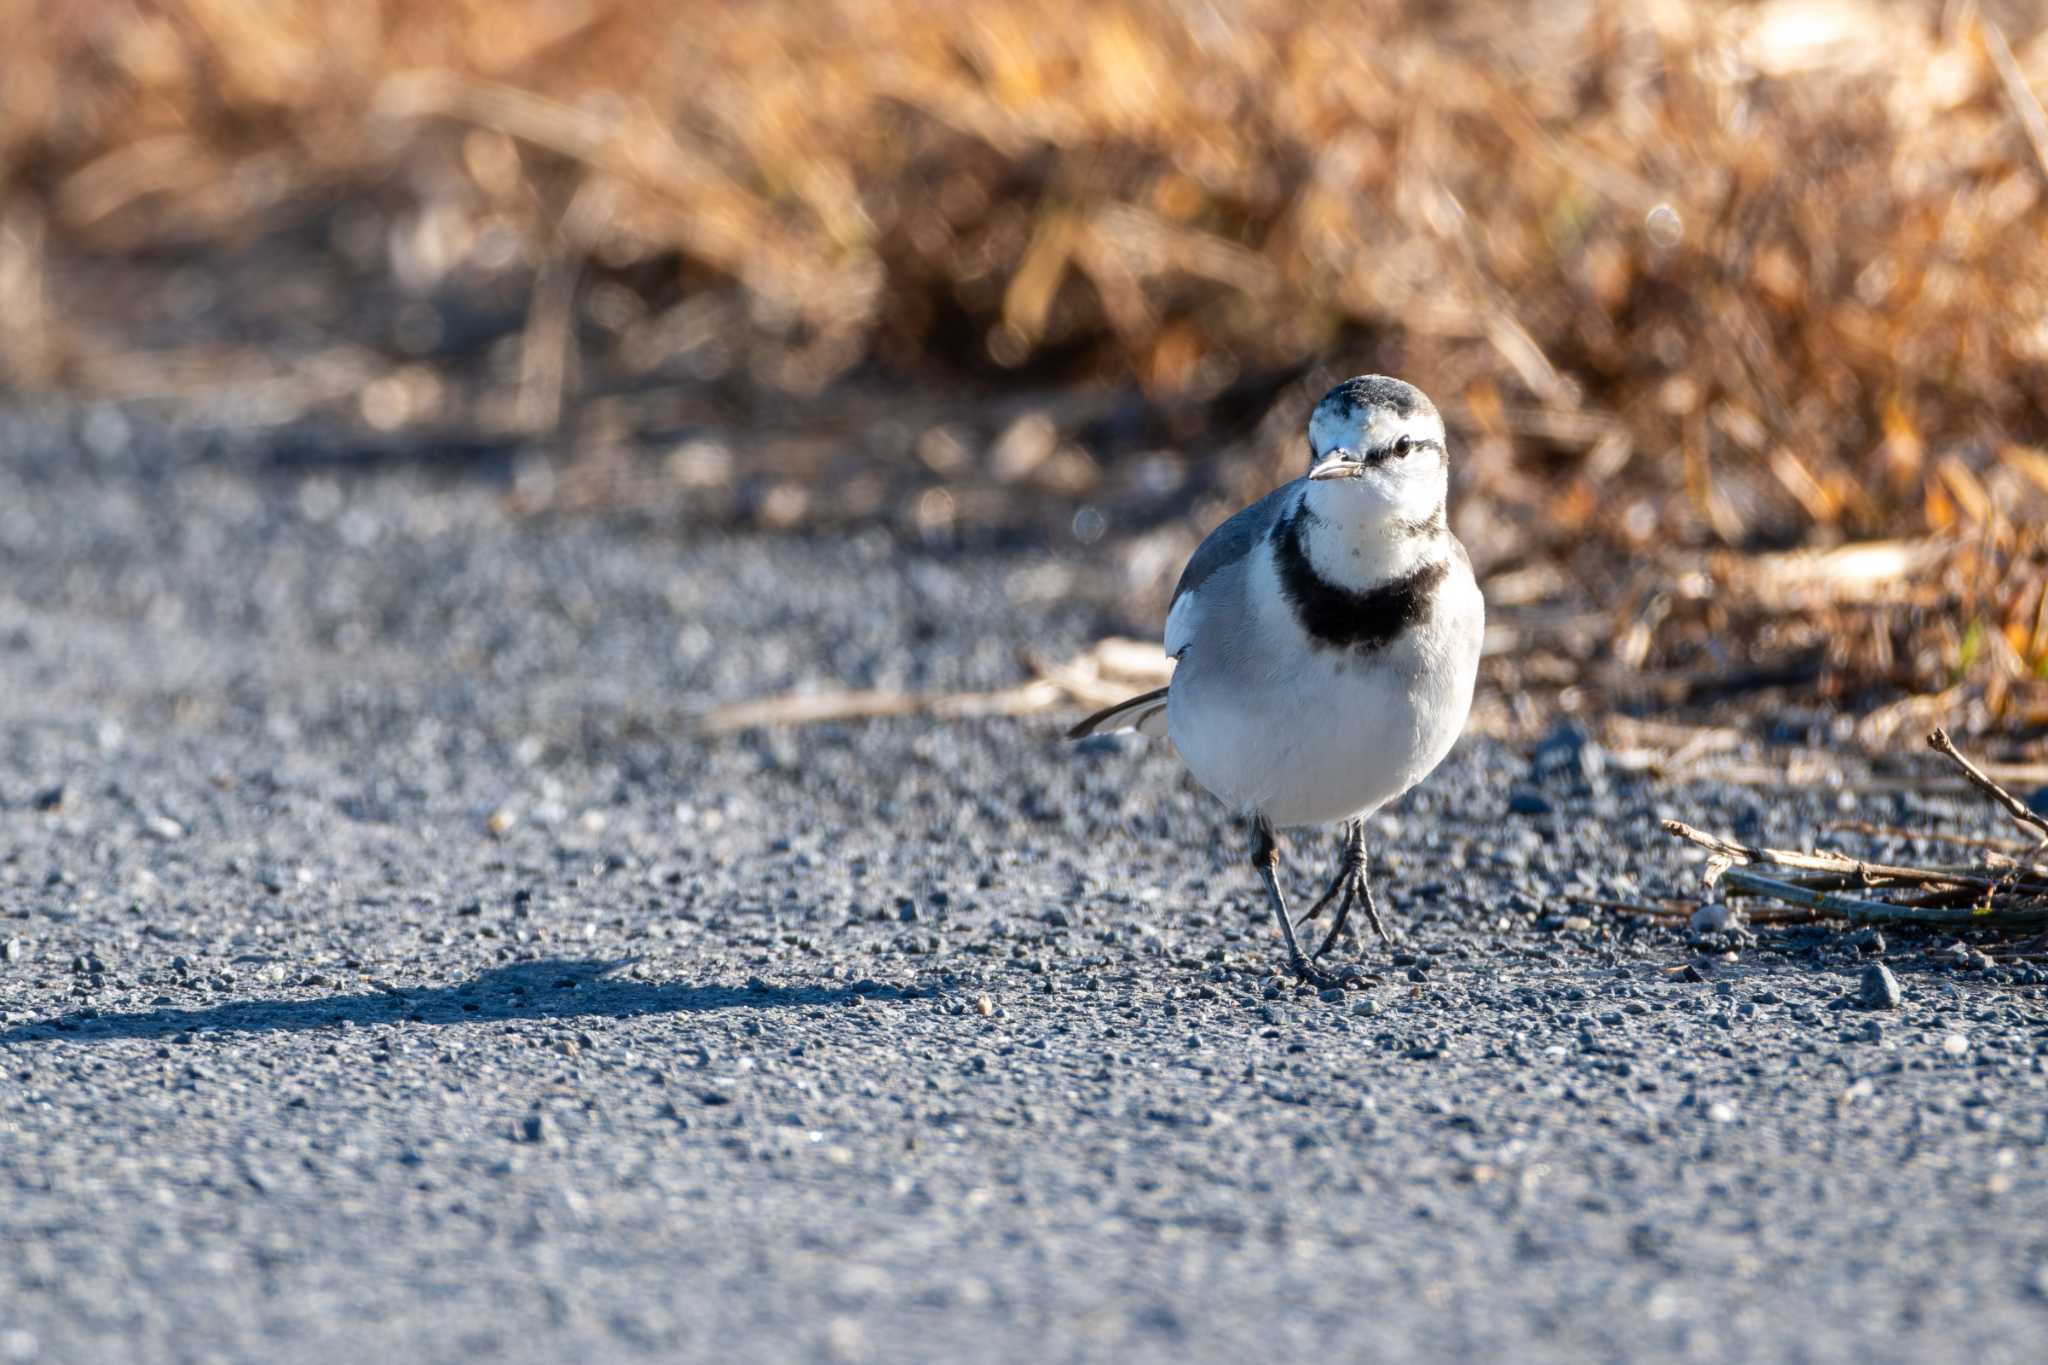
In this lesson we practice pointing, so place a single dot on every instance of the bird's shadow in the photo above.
(554, 988)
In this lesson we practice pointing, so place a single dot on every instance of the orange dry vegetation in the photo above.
(1701, 273)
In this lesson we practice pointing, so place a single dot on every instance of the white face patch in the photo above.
(1334, 425)
(1369, 416)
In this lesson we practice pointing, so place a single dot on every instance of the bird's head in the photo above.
(1376, 453)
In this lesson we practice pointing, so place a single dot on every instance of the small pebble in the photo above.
(1956, 1044)
(1709, 919)
(984, 1006)
(1879, 989)
(1569, 757)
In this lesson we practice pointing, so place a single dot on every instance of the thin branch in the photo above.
(2016, 808)
(2026, 106)
(1835, 863)
(1932, 836)
(1632, 908)
(1866, 911)
(815, 708)
(1114, 669)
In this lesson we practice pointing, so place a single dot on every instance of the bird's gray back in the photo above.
(1229, 543)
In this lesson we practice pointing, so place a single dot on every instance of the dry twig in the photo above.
(1111, 671)
(2026, 106)
(1861, 911)
(2013, 806)
(1855, 869)
(2010, 896)
(1934, 836)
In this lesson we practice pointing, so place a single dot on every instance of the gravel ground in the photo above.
(387, 976)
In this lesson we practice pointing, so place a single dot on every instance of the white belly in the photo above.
(1306, 734)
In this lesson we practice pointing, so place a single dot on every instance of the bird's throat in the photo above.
(1391, 586)
(1359, 553)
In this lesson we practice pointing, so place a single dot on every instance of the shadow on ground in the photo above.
(549, 989)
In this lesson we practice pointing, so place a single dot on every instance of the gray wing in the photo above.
(1234, 539)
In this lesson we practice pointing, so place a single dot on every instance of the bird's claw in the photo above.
(1323, 979)
(1307, 971)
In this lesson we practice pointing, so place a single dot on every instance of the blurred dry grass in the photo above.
(1696, 275)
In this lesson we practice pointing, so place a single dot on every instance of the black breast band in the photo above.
(1365, 621)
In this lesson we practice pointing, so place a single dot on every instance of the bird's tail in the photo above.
(1146, 715)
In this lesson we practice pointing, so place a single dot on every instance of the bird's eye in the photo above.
(1404, 445)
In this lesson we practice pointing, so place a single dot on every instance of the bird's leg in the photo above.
(1372, 912)
(1265, 859)
(1356, 881)
(1341, 884)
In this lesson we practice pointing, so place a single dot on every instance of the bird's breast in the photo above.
(1308, 719)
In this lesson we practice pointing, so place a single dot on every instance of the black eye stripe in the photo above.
(1406, 445)
(1401, 446)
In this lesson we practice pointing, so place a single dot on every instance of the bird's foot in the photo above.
(1352, 890)
(1372, 912)
(1308, 972)
(1347, 977)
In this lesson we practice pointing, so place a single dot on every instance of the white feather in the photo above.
(1308, 735)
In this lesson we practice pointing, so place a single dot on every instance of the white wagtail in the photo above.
(1326, 641)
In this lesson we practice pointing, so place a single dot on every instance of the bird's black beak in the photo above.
(1338, 464)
